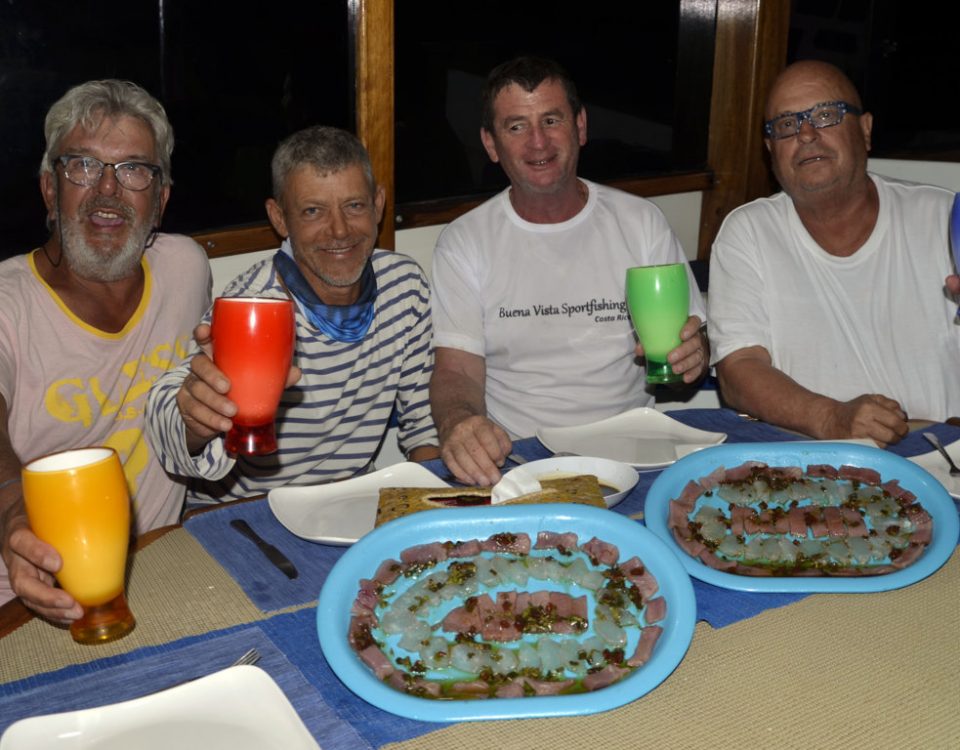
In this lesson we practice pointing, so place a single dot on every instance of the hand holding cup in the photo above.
(253, 343)
(77, 502)
(659, 301)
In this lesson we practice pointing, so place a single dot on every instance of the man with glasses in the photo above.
(828, 309)
(90, 319)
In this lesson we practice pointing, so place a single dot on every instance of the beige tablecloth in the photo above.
(853, 671)
(857, 671)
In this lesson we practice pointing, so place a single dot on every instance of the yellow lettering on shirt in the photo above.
(134, 455)
(66, 401)
(73, 400)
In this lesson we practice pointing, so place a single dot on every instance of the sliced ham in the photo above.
(655, 610)
(798, 524)
(784, 473)
(473, 689)
(815, 521)
(714, 478)
(367, 598)
(678, 516)
(688, 497)
(751, 521)
(834, 520)
(743, 471)
(518, 544)
(738, 519)
(648, 638)
(424, 553)
(859, 474)
(388, 572)
(469, 548)
(854, 522)
(689, 544)
(822, 470)
(636, 572)
(552, 540)
(607, 676)
(512, 689)
(601, 552)
(548, 687)
(903, 557)
(374, 658)
(715, 561)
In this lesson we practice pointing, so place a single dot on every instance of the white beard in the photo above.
(95, 264)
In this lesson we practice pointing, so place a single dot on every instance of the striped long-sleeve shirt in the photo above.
(329, 424)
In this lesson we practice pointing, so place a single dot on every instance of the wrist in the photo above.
(9, 483)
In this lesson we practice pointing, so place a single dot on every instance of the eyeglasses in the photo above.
(824, 115)
(86, 171)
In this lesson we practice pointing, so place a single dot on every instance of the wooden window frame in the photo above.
(749, 43)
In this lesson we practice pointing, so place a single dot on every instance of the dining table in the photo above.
(763, 669)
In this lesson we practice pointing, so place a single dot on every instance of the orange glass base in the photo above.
(104, 622)
(252, 440)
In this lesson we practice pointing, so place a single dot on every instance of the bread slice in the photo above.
(401, 501)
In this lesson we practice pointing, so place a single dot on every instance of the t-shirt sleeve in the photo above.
(738, 314)
(457, 307)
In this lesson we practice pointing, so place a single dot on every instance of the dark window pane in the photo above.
(902, 59)
(233, 84)
(623, 57)
(236, 83)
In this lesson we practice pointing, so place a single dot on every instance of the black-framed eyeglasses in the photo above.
(86, 171)
(823, 115)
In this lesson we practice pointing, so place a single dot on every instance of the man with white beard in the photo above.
(90, 319)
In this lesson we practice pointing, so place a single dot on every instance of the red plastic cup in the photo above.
(253, 342)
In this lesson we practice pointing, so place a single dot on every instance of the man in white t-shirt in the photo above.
(92, 318)
(530, 324)
(828, 312)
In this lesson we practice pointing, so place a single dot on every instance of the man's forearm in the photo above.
(764, 392)
(454, 396)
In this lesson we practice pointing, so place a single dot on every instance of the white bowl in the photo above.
(616, 478)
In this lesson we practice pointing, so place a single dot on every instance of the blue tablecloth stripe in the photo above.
(147, 670)
(270, 590)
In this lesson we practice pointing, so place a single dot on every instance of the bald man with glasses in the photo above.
(828, 310)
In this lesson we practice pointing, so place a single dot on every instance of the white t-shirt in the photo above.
(878, 321)
(69, 385)
(544, 305)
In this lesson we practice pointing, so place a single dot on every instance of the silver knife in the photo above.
(272, 553)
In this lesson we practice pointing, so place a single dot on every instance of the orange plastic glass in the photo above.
(77, 502)
(253, 340)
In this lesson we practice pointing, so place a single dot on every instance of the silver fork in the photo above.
(251, 657)
(935, 442)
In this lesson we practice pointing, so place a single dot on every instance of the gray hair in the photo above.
(89, 103)
(326, 149)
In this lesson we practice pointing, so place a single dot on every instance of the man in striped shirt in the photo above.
(363, 346)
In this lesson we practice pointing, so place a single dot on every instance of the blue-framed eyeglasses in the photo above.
(86, 171)
(823, 115)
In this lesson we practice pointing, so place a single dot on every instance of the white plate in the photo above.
(239, 708)
(621, 477)
(340, 513)
(644, 438)
(937, 465)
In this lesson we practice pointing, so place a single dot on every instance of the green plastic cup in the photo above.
(659, 302)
